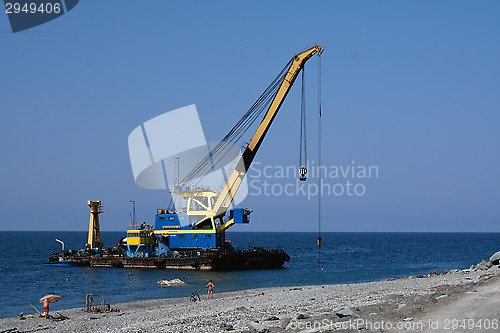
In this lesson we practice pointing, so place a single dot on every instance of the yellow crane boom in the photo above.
(227, 194)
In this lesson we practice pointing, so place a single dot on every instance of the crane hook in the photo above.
(303, 141)
(303, 172)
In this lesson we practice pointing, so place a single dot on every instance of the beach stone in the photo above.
(226, 327)
(258, 327)
(401, 307)
(272, 318)
(347, 312)
(495, 258)
(302, 316)
(483, 265)
(486, 276)
(285, 322)
(242, 309)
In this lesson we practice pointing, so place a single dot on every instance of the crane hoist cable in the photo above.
(216, 155)
(320, 240)
(303, 136)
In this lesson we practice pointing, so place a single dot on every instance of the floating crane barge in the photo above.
(193, 237)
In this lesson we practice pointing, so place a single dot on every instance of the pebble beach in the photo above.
(403, 304)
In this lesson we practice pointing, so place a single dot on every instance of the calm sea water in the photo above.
(345, 258)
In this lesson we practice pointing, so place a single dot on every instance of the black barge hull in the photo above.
(238, 260)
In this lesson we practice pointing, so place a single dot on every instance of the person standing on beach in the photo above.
(210, 287)
(45, 308)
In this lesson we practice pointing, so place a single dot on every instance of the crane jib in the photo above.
(231, 187)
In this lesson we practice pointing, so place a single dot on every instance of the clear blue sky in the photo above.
(411, 87)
